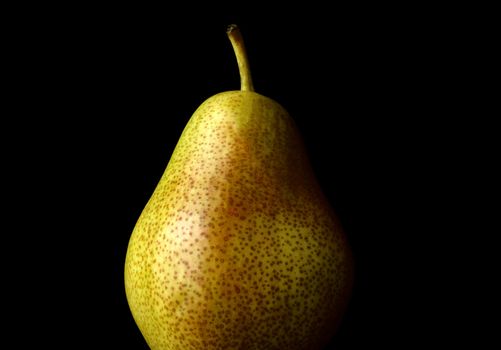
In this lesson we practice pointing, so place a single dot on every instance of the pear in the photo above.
(238, 248)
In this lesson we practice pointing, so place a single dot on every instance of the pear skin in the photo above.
(238, 248)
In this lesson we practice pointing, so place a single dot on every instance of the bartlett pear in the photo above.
(237, 248)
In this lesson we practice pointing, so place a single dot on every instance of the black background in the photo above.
(102, 96)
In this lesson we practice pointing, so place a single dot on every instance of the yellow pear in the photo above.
(238, 248)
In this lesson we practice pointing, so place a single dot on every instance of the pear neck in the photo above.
(237, 42)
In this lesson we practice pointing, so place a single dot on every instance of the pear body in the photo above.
(238, 248)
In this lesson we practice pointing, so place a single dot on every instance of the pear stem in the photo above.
(237, 42)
